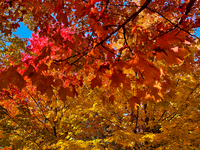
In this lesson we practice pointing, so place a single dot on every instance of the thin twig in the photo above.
(192, 91)
(162, 115)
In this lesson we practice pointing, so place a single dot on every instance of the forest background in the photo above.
(100, 74)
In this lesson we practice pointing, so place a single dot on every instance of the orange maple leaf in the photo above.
(96, 82)
(112, 99)
(134, 100)
(118, 77)
(62, 92)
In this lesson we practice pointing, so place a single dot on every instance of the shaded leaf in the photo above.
(134, 100)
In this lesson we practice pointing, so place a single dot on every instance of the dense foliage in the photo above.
(100, 74)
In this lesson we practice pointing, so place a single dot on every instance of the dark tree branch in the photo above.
(162, 115)
(54, 131)
(145, 112)
(104, 9)
(177, 82)
(192, 92)
(136, 124)
(133, 16)
(124, 32)
(107, 49)
(187, 10)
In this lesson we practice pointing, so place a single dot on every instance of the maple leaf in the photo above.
(42, 67)
(16, 78)
(28, 71)
(57, 37)
(45, 52)
(117, 78)
(134, 100)
(141, 93)
(103, 67)
(112, 99)
(81, 81)
(96, 82)
(174, 55)
(62, 92)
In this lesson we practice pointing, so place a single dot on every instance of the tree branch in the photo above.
(187, 10)
(136, 124)
(124, 32)
(133, 16)
(162, 115)
(192, 92)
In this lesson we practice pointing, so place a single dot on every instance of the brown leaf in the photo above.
(118, 77)
(96, 82)
(134, 100)
(112, 99)
(58, 39)
(12, 76)
(45, 52)
(62, 92)
(42, 67)
(29, 71)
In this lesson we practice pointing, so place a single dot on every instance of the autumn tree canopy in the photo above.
(102, 74)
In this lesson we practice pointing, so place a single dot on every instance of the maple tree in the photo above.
(100, 74)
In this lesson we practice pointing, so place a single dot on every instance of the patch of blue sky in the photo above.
(197, 32)
(23, 31)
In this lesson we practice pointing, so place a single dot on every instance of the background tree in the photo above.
(102, 74)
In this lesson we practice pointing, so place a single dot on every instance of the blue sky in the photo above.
(23, 31)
